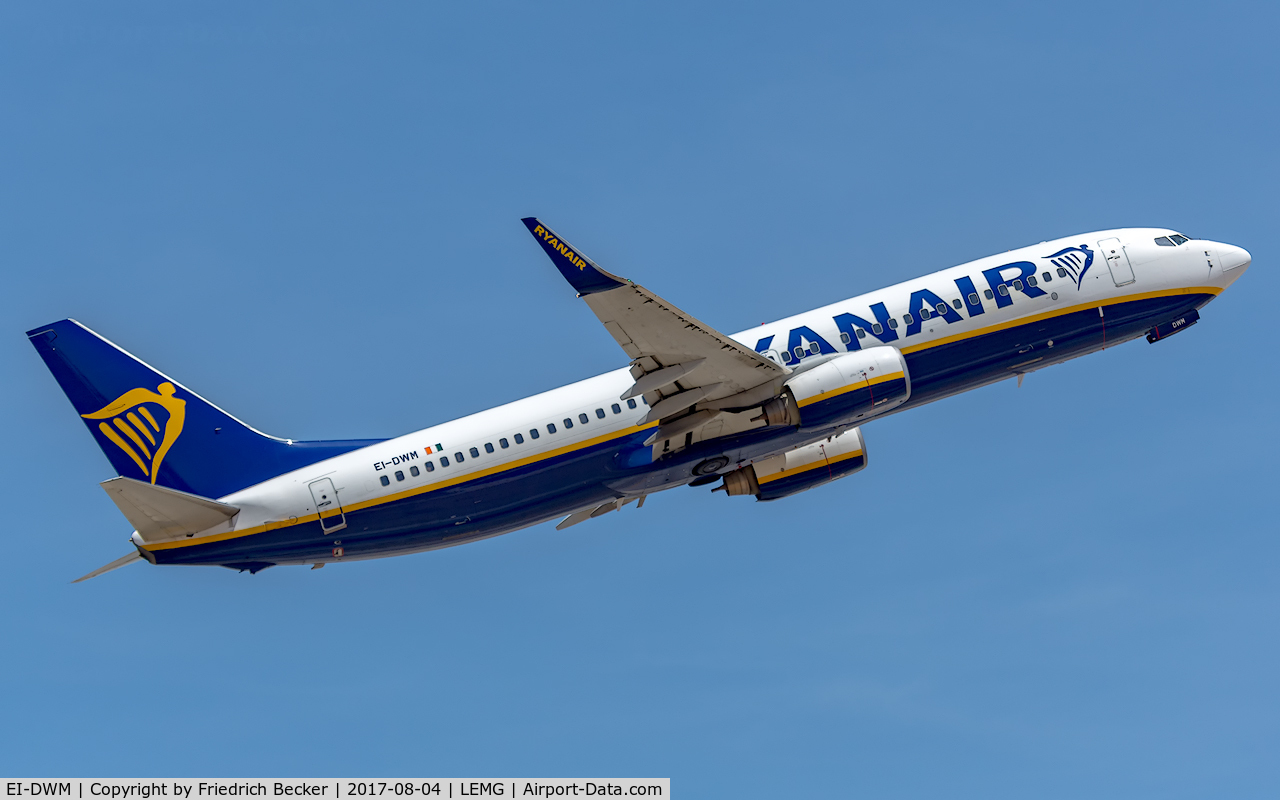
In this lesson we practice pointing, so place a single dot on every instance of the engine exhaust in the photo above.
(779, 411)
(740, 482)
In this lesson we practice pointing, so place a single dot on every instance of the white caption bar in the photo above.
(331, 788)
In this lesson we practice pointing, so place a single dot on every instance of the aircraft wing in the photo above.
(676, 360)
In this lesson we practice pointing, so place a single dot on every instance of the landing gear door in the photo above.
(327, 505)
(1117, 261)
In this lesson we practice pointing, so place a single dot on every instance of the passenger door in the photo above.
(1117, 261)
(327, 506)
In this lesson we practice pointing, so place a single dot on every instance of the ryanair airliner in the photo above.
(768, 412)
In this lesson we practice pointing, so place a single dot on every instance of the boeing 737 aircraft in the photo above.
(768, 412)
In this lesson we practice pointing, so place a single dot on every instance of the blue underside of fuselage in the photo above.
(530, 494)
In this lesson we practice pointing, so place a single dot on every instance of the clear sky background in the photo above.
(309, 213)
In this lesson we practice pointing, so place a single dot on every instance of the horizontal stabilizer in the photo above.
(164, 515)
(117, 564)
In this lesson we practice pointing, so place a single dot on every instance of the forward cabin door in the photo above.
(1117, 261)
(327, 505)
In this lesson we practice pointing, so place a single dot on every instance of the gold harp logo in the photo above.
(130, 423)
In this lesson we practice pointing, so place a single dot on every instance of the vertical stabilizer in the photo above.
(154, 429)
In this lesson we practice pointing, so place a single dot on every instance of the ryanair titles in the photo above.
(560, 247)
(924, 305)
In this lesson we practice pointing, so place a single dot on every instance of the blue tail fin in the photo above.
(154, 429)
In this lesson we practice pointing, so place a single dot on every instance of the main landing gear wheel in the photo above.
(711, 466)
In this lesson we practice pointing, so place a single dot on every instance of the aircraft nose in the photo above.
(1233, 257)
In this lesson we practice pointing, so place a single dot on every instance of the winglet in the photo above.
(580, 271)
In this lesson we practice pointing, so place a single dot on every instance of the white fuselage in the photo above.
(519, 434)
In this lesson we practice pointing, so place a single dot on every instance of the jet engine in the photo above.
(799, 469)
(848, 388)
(851, 387)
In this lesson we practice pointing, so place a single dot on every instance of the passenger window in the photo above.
(1062, 273)
(384, 480)
(617, 409)
(1004, 290)
(399, 475)
(799, 351)
(519, 437)
(475, 453)
(1031, 280)
(924, 313)
(1046, 277)
(1179, 238)
(599, 413)
(987, 294)
(458, 457)
(1164, 241)
(907, 318)
(893, 323)
(414, 471)
(877, 329)
(430, 465)
(551, 427)
(1017, 284)
(488, 447)
(786, 356)
(444, 461)
(503, 443)
(568, 423)
(861, 333)
(631, 403)
(583, 418)
(957, 303)
(845, 338)
(973, 299)
(814, 348)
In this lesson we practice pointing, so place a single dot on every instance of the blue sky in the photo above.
(310, 214)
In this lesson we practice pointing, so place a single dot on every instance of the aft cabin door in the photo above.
(327, 506)
(1117, 261)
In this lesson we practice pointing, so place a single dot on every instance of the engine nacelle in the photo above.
(800, 469)
(851, 387)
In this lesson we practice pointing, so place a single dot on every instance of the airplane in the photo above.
(769, 412)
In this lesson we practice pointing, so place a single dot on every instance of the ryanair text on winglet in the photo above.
(560, 247)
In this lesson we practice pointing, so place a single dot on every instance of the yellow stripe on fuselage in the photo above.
(275, 525)
(1033, 318)
(391, 498)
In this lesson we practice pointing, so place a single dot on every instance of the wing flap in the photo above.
(660, 378)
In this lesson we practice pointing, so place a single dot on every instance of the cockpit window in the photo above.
(1178, 238)
(1164, 241)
